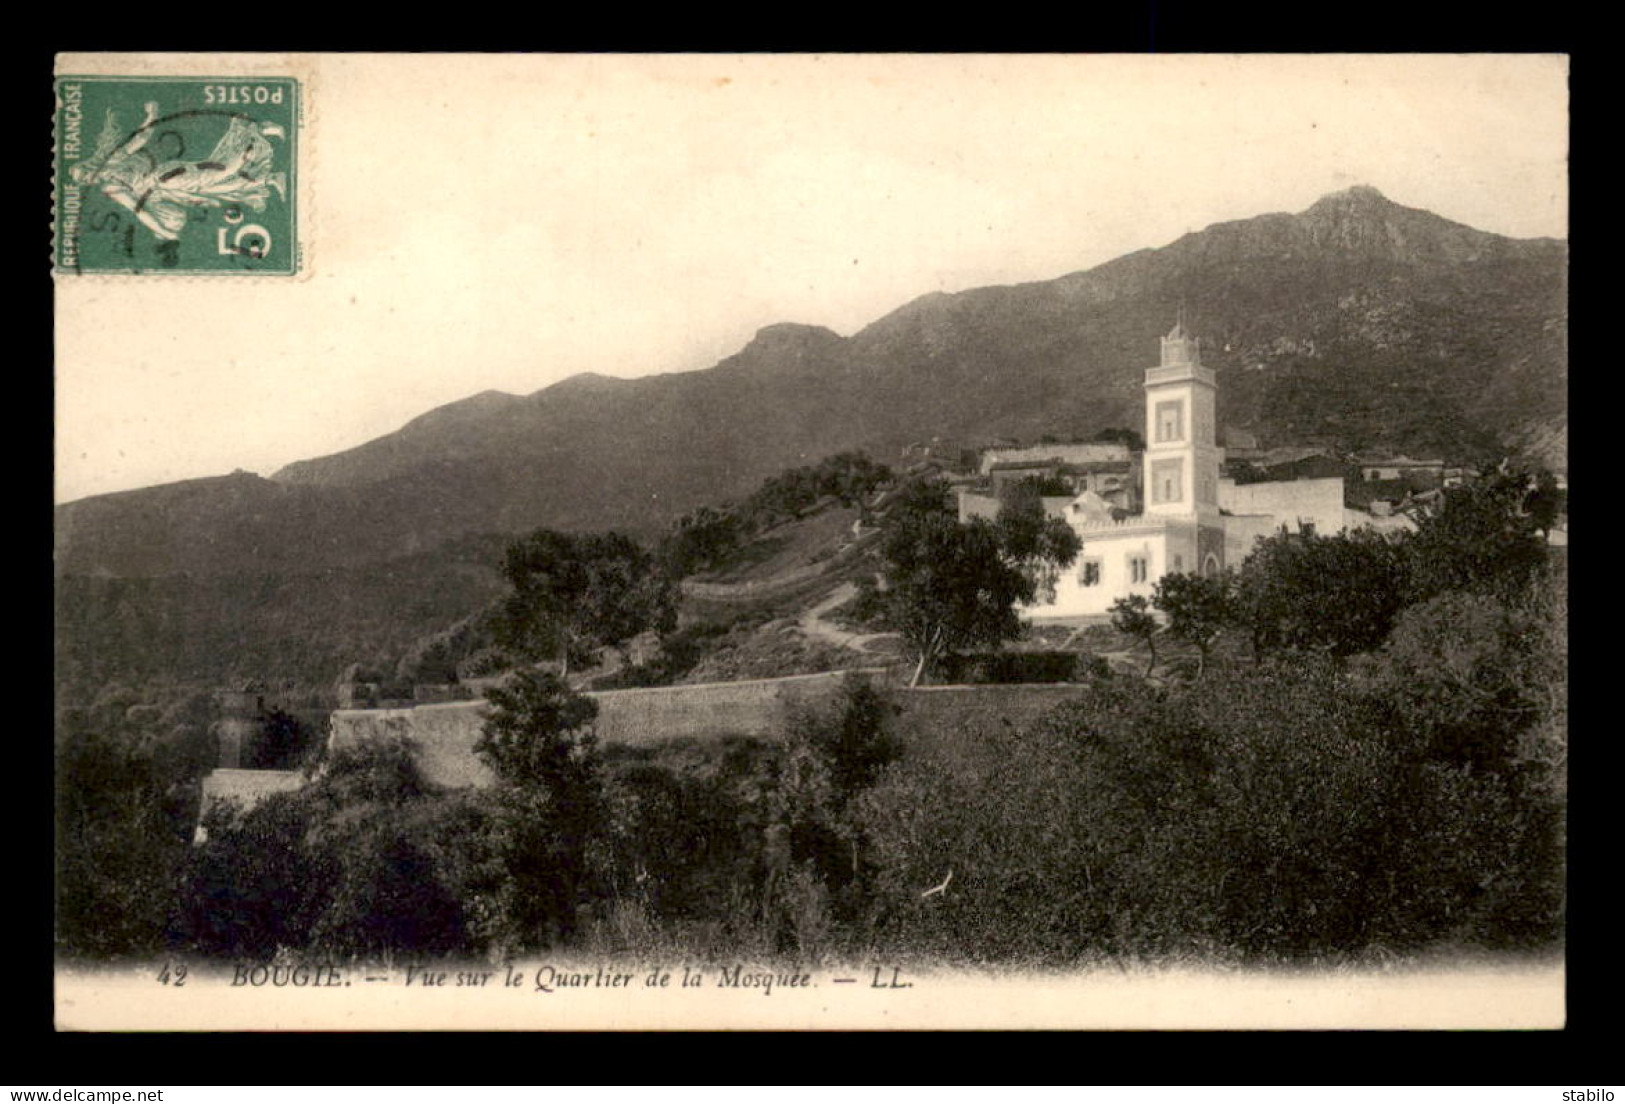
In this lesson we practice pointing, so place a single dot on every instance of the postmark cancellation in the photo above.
(176, 175)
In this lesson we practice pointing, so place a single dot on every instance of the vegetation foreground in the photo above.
(1380, 773)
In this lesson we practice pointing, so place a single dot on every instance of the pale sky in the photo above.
(475, 223)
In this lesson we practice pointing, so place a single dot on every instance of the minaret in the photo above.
(1181, 449)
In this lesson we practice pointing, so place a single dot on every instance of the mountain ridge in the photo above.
(1357, 321)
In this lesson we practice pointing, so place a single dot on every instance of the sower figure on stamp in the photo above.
(237, 171)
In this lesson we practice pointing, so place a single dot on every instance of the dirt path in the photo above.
(812, 622)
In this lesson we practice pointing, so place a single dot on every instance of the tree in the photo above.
(538, 741)
(851, 477)
(700, 540)
(627, 593)
(1545, 503)
(830, 759)
(857, 743)
(537, 736)
(1199, 609)
(1339, 594)
(1275, 819)
(576, 592)
(952, 586)
(1483, 536)
(1043, 485)
(1129, 437)
(917, 499)
(283, 741)
(1039, 545)
(117, 846)
(1470, 676)
(1132, 616)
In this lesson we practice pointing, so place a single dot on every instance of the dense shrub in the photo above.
(1337, 594)
(1466, 676)
(1486, 536)
(1007, 667)
(369, 882)
(357, 863)
(282, 742)
(386, 896)
(1391, 775)
(832, 757)
(710, 536)
(680, 651)
(1270, 813)
(126, 799)
(253, 887)
(490, 660)
(1278, 818)
(686, 829)
(538, 741)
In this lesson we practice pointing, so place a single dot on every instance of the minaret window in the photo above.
(1170, 421)
(1167, 481)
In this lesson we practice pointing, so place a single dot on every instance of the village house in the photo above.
(1083, 453)
(1402, 467)
(1184, 517)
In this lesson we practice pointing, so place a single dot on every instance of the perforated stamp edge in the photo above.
(228, 68)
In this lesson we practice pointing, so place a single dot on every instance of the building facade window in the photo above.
(1167, 481)
(1170, 421)
(1090, 575)
(1138, 569)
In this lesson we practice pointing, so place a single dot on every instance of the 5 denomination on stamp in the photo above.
(177, 175)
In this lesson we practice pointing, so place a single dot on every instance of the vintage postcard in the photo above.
(810, 541)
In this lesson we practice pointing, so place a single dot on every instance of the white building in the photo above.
(1192, 520)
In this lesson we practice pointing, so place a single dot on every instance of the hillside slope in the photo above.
(1357, 322)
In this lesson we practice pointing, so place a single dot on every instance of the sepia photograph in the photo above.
(810, 541)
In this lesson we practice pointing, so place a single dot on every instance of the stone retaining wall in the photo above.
(445, 734)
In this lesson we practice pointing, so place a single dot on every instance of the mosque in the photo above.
(1189, 518)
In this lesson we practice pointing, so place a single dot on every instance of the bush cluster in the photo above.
(1389, 775)
(1004, 667)
(1277, 817)
(709, 536)
(736, 844)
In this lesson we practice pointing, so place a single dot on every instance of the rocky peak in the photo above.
(783, 335)
(1363, 221)
(1361, 197)
(786, 344)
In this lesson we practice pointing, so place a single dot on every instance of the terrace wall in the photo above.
(445, 735)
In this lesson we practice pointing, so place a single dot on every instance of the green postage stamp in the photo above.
(180, 175)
